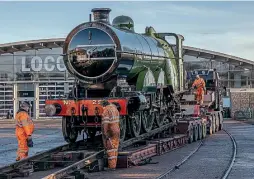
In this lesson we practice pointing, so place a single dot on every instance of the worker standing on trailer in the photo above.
(199, 84)
(110, 132)
(24, 131)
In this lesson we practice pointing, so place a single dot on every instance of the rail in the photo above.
(77, 165)
(166, 174)
(227, 172)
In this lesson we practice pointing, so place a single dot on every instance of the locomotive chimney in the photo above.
(101, 15)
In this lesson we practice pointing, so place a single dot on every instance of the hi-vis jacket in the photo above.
(24, 123)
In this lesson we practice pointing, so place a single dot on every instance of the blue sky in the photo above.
(227, 27)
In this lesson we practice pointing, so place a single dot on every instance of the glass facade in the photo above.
(37, 75)
(30, 75)
(231, 76)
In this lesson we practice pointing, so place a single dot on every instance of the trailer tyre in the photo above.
(204, 130)
(200, 132)
(217, 121)
(195, 133)
(221, 121)
(210, 128)
(214, 123)
(190, 134)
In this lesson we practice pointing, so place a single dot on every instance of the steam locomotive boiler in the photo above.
(140, 73)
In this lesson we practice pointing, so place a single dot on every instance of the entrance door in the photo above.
(31, 110)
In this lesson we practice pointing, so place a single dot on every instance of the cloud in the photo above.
(222, 30)
(220, 26)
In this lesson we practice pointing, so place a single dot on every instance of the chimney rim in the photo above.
(101, 9)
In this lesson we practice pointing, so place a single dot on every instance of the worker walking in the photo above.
(110, 132)
(24, 131)
(199, 84)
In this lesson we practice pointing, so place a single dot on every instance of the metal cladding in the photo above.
(97, 52)
(101, 15)
(107, 49)
(123, 22)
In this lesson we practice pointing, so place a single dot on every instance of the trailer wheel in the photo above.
(200, 131)
(214, 123)
(210, 129)
(195, 133)
(221, 120)
(217, 121)
(204, 131)
(69, 133)
(190, 134)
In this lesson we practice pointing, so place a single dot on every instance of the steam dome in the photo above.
(123, 22)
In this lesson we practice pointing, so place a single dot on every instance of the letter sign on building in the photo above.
(38, 64)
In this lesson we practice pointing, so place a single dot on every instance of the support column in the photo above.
(36, 101)
(251, 76)
(237, 80)
(15, 99)
(247, 82)
(228, 76)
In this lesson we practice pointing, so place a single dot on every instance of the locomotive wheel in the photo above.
(147, 121)
(135, 124)
(122, 128)
(91, 134)
(200, 132)
(159, 119)
(195, 133)
(69, 133)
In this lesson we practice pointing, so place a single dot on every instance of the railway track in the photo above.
(79, 159)
(166, 174)
(71, 159)
(177, 166)
(227, 172)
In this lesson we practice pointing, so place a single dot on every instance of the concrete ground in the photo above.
(243, 167)
(210, 161)
(47, 135)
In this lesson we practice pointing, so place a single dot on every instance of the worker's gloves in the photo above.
(30, 142)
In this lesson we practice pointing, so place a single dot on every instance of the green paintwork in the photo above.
(156, 65)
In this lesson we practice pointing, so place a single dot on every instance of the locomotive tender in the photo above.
(141, 73)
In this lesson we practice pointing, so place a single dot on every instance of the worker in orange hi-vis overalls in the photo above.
(24, 131)
(110, 132)
(199, 84)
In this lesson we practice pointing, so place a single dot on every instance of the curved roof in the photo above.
(217, 56)
(187, 50)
